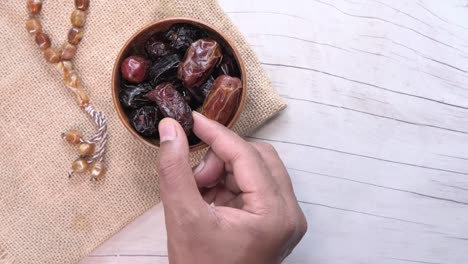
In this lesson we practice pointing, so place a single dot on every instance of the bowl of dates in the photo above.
(172, 67)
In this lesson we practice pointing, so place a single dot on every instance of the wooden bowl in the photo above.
(137, 42)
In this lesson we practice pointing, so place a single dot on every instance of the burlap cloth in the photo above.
(45, 217)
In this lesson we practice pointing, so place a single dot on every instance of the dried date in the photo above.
(199, 94)
(172, 104)
(184, 92)
(145, 121)
(155, 48)
(134, 69)
(227, 66)
(134, 95)
(164, 69)
(222, 101)
(181, 36)
(199, 62)
(206, 87)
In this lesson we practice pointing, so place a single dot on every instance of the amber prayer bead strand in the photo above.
(68, 50)
(91, 152)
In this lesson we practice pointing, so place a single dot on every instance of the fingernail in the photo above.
(199, 167)
(167, 131)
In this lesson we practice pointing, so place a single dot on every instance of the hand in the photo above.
(249, 213)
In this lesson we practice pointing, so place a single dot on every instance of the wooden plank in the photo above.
(378, 210)
(370, 137)
(371, 80)
(143, 237)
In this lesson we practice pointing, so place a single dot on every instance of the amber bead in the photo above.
(82, 4)
(64, 66)
(75, 35)
(52, 55)
(72, 136)
(68, 51)
(97, 169)
(34, 6)
(72, 79)
(43, 41)
(86, 149)
(34, 26)
(78, 18)
(81, 97)
(79, 166)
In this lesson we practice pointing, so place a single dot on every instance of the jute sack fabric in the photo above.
(44, 216)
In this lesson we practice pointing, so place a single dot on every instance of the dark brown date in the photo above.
(145, 121)
(199, 94)
(155, 48)
(199, 62)
(164, 69)
(134, 95)
(223, 99)
(184, 92)
(134, 69)
(205, 88)
(172, 104)
(227, 66)
(181, 36)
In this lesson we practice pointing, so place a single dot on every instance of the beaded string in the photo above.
(91, 151)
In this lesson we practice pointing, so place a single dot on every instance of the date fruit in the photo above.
(155, 48)
(206, 87)
(184, 92)
(199, 94)
(181, 36)
(134, 69)
(227, 66)
(164, 69)
(171, 73)
(221, 103)
(145, 121)
(172, 104)
(199, 62)
(134, 95)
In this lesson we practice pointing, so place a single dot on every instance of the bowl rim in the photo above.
(174, 20)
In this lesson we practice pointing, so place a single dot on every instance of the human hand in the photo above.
(246, 212)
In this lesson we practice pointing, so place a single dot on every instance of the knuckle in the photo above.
(290, 226)
(295, 225)
(247, 151)
(260, 145)
(252, 150)
(303, 225)
(266, 148)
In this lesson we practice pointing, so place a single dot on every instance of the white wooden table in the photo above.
(375, 136)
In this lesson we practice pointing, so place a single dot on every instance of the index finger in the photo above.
(248, 168)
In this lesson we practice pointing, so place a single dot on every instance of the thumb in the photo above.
(178, 189)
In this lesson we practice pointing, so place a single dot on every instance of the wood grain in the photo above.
(375, 136)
